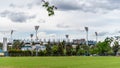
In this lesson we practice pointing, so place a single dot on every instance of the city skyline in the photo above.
(70, 18)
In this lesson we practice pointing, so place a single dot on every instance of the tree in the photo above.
(104, 47)
(48, 50)
(55, 50)
(77, 49)
(49, 8)
(81, 51)
(93, 50)
(115, 47)
(69, 50)
(60, 49)
(17, 44)
(1, 45)
(86, 49)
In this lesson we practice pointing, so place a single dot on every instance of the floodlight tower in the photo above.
(86, 29)
(31, 36)
(36, 29)
(96, 34)
(67, 40)
(67, 37)
(11, 35)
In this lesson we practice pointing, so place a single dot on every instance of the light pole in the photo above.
(36, 29)
(96, 34)
(11, 35)
(67, 39)
(31, 35)
(86, 29)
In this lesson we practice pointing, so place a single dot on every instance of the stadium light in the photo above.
(36, 29)
(86, 29)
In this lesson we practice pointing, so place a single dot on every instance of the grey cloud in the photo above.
(12, 5)
(81, 5)
(88, 5)
(28, 5)
(16, 6)
(62, 26)
(17, 16)
(41, 21)
(118, 31)
(66, 4)
(115, 32)
(102, 33)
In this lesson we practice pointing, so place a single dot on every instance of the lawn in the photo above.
(60, 62)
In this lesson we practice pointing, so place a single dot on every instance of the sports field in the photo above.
(60, 62)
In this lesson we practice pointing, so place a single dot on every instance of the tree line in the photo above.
(103, 48)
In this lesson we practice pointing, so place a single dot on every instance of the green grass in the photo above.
(60, 62)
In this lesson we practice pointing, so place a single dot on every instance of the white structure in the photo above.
(86, 29)
(36, 46)
(27, 47)
(5, 44)
(39, 47)
(36, 29)
(74, 46)
(96, 34)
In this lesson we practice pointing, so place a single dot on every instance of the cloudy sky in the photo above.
(102, 16)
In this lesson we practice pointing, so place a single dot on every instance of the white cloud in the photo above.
(70, 18)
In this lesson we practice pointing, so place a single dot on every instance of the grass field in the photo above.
(60, 62)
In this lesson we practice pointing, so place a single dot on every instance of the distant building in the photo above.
(1, 52)
(83, 41)
(26, 48)
(91, 42)
(79, 41)
(29, 46)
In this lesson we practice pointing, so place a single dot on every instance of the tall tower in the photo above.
(11, 36)
(5, 44)
(96, 34)
(31, 36)
(36, 29)
(86, 29)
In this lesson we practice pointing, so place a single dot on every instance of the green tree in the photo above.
(81, 51)
(93, 50)
(17, 44)
(86, 49)
(1, 45)
(60, 49)
(55, 50)
(69, 50)
(104, 47)
(48, 49)
(49, 8)
(115, 47)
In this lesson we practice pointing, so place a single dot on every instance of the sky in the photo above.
(101, 16)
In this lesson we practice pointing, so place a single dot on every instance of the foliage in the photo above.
(94, 50)
(115, 47)
(104, 47)
(17, 44)
(68, 50)
(49, 50)
(55, 50)
(19, 53)
(62, 48)
(49, 8)
(1, 45)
